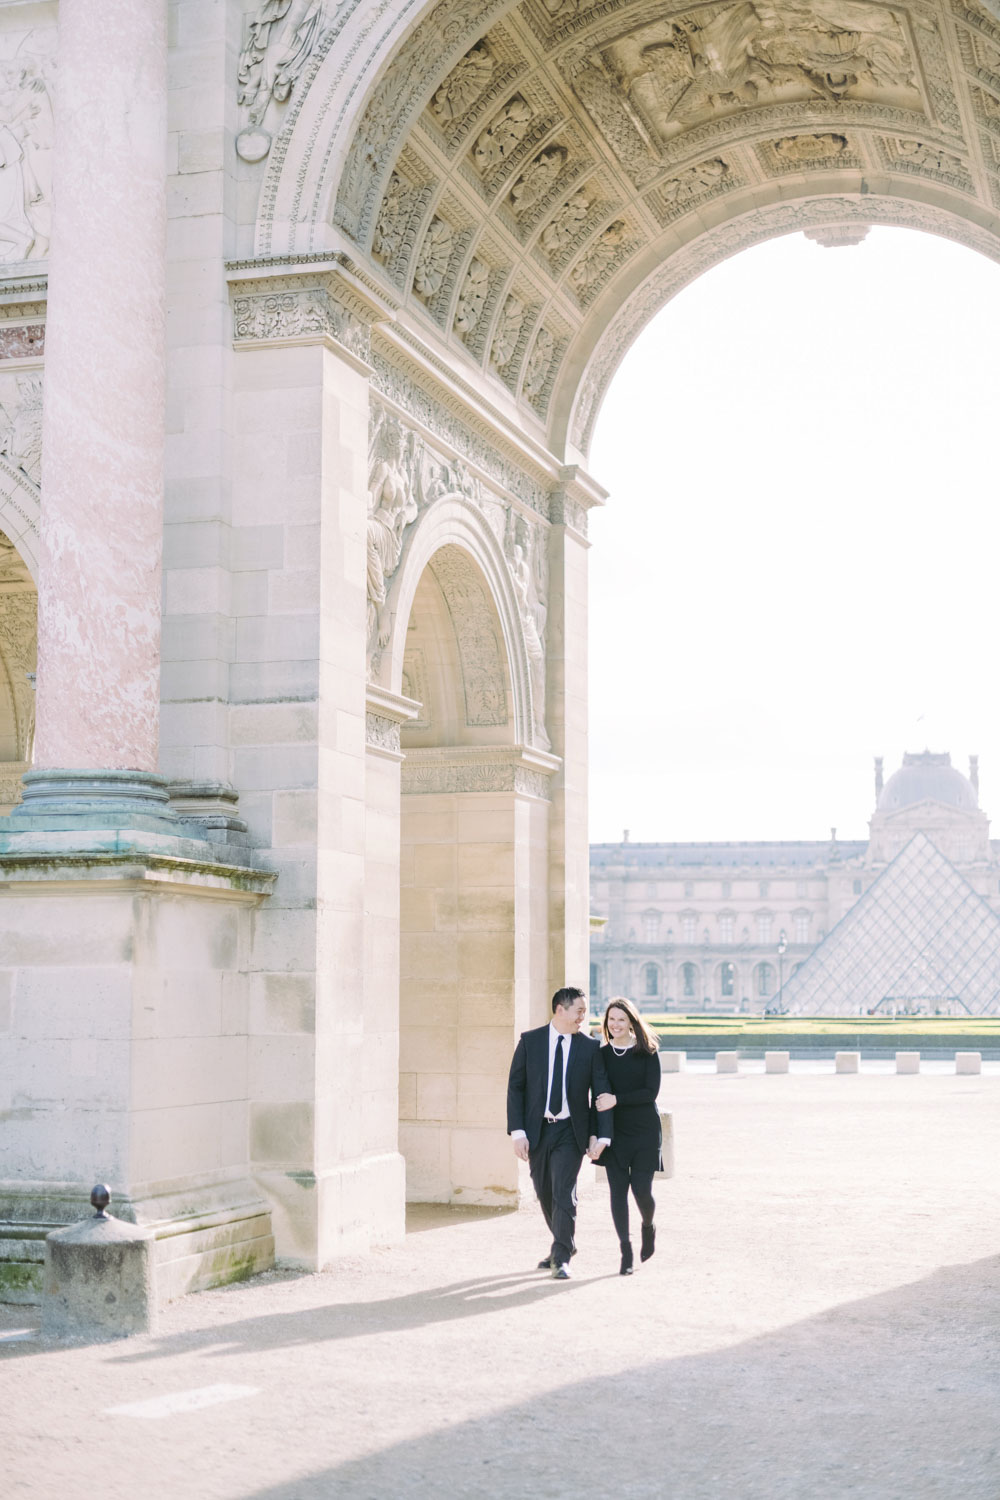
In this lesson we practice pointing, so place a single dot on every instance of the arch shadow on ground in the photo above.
(893, 1396)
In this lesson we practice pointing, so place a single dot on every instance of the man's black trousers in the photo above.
(555, 1165)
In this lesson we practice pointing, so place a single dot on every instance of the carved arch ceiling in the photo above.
(536, 180)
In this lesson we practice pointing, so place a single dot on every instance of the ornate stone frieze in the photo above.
(304, 304)
(385, 714)
(569, 512)
(473, 769)
(280, 38)
(381, 733)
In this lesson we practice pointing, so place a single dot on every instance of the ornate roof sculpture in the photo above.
(533, 181)
(919, 936)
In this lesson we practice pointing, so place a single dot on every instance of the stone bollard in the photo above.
(99, 1277)
(673, 1062)
(968, 1062)
(667, 1144)
(907, 1062)
(776, 1062)
(847, 1062)
(727, 1062)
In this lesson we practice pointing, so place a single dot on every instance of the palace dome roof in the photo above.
(927, 777)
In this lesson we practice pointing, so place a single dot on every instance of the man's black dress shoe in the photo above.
(546, 1264)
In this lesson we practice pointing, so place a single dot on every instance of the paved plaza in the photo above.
(821, 1319)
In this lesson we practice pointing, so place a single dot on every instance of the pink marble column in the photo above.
(103, 424)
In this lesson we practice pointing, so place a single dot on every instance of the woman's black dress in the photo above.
(635, 1082)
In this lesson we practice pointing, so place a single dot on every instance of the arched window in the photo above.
(651, 978)
(727, 981)
(764, 980)
(689, 980)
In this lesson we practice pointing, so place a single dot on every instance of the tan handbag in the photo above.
(666, 1167)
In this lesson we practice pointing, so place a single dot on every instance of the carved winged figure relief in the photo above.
(751, 52)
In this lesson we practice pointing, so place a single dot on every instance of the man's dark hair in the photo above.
(566, 997)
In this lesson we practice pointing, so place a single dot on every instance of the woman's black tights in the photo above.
(620, 1179)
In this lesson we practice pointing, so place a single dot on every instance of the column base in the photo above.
(109, 811)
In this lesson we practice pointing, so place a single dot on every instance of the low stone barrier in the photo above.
(727, 1062)
(847, 1062)
(673, 1062)
(907, 1062)
(968, 1062)
(99, 1277)
(776, 1062)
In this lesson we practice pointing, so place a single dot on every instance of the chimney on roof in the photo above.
(833, 835)
(625, 837)
(878, 777)
(974, 774)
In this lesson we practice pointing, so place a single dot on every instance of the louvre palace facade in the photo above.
(728, 927)
(307, 310)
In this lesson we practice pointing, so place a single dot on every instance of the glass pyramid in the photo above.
(920, 938)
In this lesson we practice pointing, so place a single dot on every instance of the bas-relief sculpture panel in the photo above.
(406, 478)
(681, 71)
(27, 67)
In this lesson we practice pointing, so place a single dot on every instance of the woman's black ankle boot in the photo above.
(626, 1267)
(648, 1241)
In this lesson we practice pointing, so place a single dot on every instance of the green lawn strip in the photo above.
(735, 1032)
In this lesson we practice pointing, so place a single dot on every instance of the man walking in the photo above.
(557, 1084)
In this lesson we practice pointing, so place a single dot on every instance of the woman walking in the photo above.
(632, 1059)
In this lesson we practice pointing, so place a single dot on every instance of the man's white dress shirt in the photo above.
(554, 1038)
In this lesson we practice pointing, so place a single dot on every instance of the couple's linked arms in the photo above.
(601, 1110)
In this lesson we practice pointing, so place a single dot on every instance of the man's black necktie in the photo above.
(556, 1091)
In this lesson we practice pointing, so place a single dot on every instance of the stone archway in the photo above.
(475, 801)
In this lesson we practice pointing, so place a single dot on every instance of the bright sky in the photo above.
(797, 567)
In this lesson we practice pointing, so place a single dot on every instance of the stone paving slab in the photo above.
(821, 1320)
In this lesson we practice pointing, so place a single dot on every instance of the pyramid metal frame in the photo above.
(919, 936)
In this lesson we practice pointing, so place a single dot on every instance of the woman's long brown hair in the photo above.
(645, 1041)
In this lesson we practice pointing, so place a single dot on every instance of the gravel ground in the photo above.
(821, 1319)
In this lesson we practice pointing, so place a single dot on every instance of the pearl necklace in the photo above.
(627, 1048)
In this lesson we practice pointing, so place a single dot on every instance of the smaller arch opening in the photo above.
(18, 664)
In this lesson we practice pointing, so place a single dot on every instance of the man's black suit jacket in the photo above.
(586, 1077)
